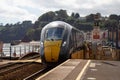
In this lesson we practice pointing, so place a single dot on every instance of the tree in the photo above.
(110, 24)
(7, 25)
(30, 33)
(49, 16)
(36, 24)
(119, 17)
(99, 15)
(61, 14)
(114, 17)
(70, 20)
(77, 16)
(73, 15)
(37, 33)
(90, 18)
(1, 24)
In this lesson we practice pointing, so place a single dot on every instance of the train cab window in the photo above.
(55, 33)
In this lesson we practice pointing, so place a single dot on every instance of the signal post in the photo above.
(1, 49)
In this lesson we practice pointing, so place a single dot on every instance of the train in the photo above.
(59, 40)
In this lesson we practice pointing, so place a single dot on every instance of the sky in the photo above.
(13, 11)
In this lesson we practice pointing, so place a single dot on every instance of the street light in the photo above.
(118, 36)
(118, 40)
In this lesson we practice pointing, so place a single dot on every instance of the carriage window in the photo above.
(54, 33)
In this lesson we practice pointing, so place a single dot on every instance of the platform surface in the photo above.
(77, 69)
(2, 62)
(103, 70)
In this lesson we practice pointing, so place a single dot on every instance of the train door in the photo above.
(74, 54)
(71, 44)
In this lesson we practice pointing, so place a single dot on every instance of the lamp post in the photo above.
(1, 49)
(118, 40)
(109, 33)
(118, 36)
(112, 40)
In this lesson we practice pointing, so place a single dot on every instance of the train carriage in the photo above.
(59, 41)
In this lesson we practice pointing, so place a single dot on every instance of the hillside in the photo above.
(27, 31)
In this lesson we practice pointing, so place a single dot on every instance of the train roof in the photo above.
(60, 24)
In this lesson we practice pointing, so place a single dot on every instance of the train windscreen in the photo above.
(54, 33)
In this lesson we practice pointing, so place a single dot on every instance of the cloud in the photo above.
(20, 10)
(83, 7)
(11, 11)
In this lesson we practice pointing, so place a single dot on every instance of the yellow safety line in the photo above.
(83, 70)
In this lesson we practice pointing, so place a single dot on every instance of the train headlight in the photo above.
(64, 43)
(41, 44)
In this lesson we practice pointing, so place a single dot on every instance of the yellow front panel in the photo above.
(47, 53)
(52, 50)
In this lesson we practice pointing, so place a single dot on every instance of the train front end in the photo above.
(51, 41)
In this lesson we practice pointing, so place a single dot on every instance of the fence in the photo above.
(19, 50)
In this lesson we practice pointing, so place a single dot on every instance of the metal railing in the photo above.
(19, 50)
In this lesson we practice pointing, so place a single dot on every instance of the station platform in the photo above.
(2, 62)
(78, 69)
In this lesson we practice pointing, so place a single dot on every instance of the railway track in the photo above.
(39, 73)
(23, 70)
(30, 56)
(20, 70)
(12, 67)
(36, 74)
